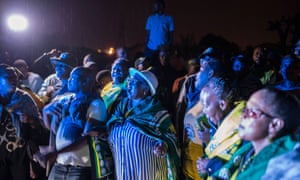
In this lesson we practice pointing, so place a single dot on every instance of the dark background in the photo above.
(111, 23)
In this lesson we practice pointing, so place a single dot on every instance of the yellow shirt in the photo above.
(193, 146)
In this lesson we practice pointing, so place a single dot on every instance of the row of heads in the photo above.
(70, 61)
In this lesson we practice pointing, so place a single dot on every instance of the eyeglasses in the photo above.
(255, 113)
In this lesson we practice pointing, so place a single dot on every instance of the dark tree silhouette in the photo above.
(287, 28)
(187, 46)
(296, 28)
(225, 47)
(282, 27)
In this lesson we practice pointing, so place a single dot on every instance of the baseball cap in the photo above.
(66, 58)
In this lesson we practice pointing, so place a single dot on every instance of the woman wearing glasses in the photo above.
(269, 121)
(141, 134)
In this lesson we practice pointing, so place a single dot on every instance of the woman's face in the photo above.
(136, 87)
(62, 71)
(255, 120)
(118, 73)
(211, 106)
(74, 82)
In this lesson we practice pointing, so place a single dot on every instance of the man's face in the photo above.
(23, 69)
(62, 70)
(202, 76)
(157, 7)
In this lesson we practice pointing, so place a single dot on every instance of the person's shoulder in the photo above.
(167, 16)
(20, 93)
(97, 102)
(22, 100)
(190, 80)
(34, 75)
(97, 110)
(152, 15)
(191, 77)
(150, 18)
(284, 166)
(51, 77)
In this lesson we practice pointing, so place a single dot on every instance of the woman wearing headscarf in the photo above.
(141, 134)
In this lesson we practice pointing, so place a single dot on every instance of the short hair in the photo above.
(102, 73)
(211, 52)
(85, 74)
(284, 106)
(222, 88)
(20, 63)
(121, 61)
(141, 60)
(216, 66)
(93, 57)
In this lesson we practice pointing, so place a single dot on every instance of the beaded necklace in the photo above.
(248, 159)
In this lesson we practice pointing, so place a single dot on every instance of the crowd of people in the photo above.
(155, 117)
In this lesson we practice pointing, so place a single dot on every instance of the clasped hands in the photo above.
(160, 149)
(45, 157)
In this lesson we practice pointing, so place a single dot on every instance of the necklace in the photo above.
(248, 159)
(246, 163)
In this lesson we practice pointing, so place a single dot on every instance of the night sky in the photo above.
(105, 23)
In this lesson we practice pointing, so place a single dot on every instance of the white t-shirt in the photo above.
(70, 129)
(34, 82)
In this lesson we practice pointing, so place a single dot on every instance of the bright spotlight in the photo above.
(17, 23)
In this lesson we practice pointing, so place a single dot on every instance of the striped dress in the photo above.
(133, 154)
(133, 133)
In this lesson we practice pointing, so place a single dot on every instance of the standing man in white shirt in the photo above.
(160, 29)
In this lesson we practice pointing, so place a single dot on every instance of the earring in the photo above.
(270, 137)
